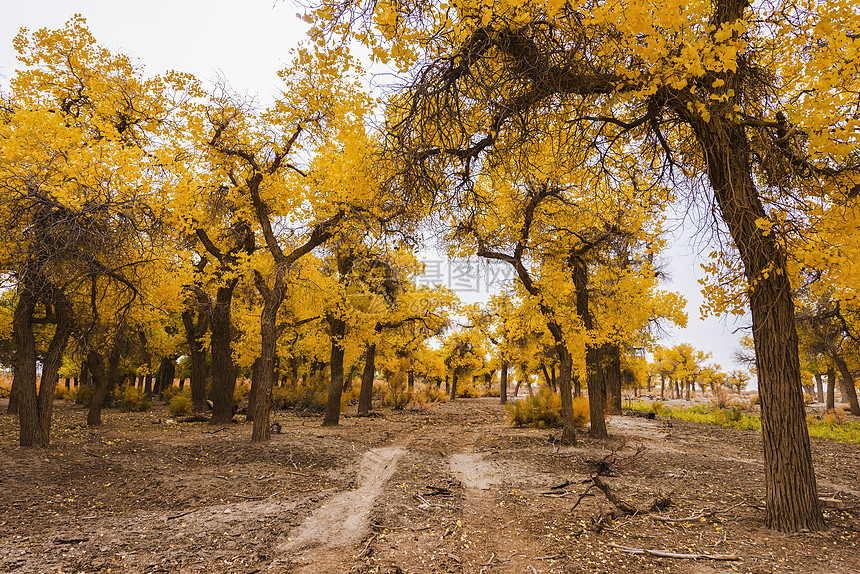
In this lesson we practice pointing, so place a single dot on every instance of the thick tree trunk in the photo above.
(255, 388)
(53, 362)
(335, 388)
(365, 393)
(849, 391)
(223, 369)
(166, 374)
(792, 494)
(612, 376)
(410, 382)
(503, 383)
(453, 393)
(25, 366)
(568, 433)
(269, 335)
(193, 332)
(594, 356)
(831, 389)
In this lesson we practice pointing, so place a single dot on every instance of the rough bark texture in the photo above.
(831, 389)
(223, 369)
(255, 388)
(612, 376)
(194, 330)
(792, 494)
(568, 433)
(847, 388)
(335, 388)
(25, 365)
(53, 361)
(594, 356)
(166, 374)
(365, 393)
(819, 388)
(503, 383)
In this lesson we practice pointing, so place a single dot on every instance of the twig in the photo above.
(367, 546)
(297, 473)
(666, 554)
(216, 431)
(581, 496)
(552, 557)
(489, 563)
(181, 514)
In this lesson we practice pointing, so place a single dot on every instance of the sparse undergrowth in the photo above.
(834, 425)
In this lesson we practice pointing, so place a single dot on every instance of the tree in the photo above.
(750, 98)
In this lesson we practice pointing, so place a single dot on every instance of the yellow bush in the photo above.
(180, 403)
(541, 410)
(132, 399)
(469, 391)
(61, 392)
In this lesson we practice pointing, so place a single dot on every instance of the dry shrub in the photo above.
(61, 392)
(720, 399)
(180, 403)
(541, 410)
(835, 417)
(581, 412)
(469, 391)
(434, 394)
(132, 399)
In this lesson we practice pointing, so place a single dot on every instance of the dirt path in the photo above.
(453, 489)
(343, 520)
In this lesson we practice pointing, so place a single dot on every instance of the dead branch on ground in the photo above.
(665, 554)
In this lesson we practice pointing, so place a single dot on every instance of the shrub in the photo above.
(581, 412)
(469, 391)
(132, 399)
(241, 391)
(61, 392)
(310, 395)
(435, 394)
(834, 417)
(83, 395)
(755, 400)
(720, 398)
(541, 410)
(171, 391)
(657, 407)
(180, 403)
(396, 395)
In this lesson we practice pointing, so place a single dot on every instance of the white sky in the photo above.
(248, 41)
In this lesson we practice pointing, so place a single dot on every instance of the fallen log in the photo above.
(666, 554)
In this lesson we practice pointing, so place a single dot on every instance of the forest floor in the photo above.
(452, 488)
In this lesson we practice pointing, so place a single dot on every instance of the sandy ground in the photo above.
(450, 489)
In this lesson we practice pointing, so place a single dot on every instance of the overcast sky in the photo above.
(248, 41)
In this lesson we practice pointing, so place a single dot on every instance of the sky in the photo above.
(247, 42)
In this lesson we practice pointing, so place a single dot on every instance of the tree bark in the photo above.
(365, 393)
(791, 490)
(25, 365)
(819, 386)
(335, 389)
(223, 369)
(568, 433)
(849, 391)
(503, 383)
(453, 393)
(166, 374)
(64, 317)
(255, 388)
(831, 389)
(194, 330)
(612, 377)
(594, 356)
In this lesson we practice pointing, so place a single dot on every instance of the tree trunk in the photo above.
(335, 389)
(568, 433)
(25, 365)
(454, 386)
(410, 382)
(594, 356)
(12, 407)
(791, 490)
(819, 386)
(831, 389)
(166, 374)
(97, 370)
(503, 383)
(53, 361)
(255, 388)
(223, 369)
(194, 330)
(849, 391)
(365, 393)
(269, 340)
(612, 376)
